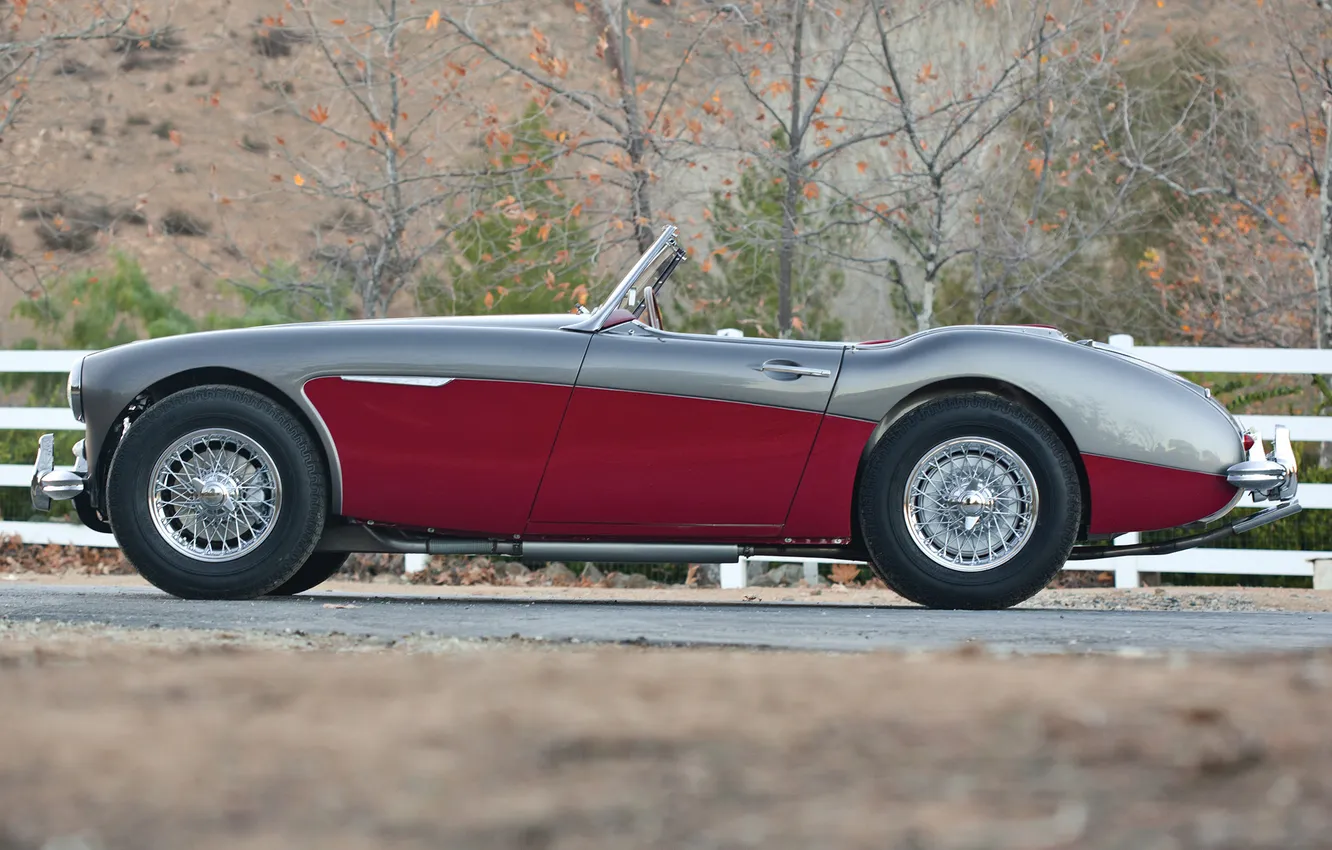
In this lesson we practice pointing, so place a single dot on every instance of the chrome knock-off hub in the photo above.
(215, 495)
(970, 504)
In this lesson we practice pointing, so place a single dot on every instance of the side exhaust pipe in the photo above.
(365, 538)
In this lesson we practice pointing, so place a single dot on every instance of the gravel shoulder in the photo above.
(136, 739)
(1134, 599)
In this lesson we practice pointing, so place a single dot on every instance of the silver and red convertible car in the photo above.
(966, 464)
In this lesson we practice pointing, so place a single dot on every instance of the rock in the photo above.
(707, 575)
(593, 575)
(788, 574)
(782, 575)
(753, 570)
(627, 581)
(511, 570)
(558, 574)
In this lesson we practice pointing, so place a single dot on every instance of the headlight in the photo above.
(74, 391)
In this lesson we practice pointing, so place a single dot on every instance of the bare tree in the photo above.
(794, 75)
(989, 114)
(1254, 169)
(619, 89)
(382, 145)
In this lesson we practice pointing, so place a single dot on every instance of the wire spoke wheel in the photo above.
(215, 495)
(971, 504)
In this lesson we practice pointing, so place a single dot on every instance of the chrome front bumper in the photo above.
(49, 483)
(1268, 475)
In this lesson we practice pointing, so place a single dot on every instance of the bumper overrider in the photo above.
(51, 484)
(1265, 476)
(1269, 476)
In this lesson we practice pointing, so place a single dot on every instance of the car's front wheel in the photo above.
(969, 501)
(217, 492)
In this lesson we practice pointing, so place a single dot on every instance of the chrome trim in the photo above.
(650, 305)
(792, 369)
(60, 484)
(1267, 475)
(404, 380)
(592, 322)
(81, 457)
(50, 484)
(74, 390)
(331, 447)
(44, 463)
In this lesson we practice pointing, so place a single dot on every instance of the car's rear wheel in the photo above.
(970, 501)
(319, 568)
(217, 492)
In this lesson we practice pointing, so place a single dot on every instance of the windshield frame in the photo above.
(593, 321)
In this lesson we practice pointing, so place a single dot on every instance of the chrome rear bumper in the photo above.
(49, 483)
(1268, 475)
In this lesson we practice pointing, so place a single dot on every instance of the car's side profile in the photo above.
(966, 464)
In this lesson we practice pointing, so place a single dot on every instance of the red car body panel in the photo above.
(822, 506)
(463, 457)
(1130, 496)
(683, 464)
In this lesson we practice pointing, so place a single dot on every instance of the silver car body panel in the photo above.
(1112, 405)
(632, 356)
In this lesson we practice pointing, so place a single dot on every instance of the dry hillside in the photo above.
(187, 144)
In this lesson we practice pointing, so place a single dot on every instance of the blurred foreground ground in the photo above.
(161, 739)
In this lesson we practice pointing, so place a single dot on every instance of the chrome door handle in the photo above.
(792, 369)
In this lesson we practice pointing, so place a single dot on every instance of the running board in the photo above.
(364, 538)
(1165, 547)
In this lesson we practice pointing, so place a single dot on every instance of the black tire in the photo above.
(275, 554)
(318, 569)
(906, 566)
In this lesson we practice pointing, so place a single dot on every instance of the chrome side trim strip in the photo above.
(404, 380)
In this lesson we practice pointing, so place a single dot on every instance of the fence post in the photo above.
(1126, 569)
(735, 575)
(414, 562)
(811, 573)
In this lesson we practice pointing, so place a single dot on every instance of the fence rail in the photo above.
(1256, 361)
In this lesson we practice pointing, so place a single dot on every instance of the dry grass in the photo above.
(274, 41)
(179, 222)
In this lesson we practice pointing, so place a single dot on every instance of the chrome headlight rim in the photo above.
(74, 391)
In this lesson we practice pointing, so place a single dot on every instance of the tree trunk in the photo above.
(925, 316)
(1322, 269)
(613, 18)
(791, 198)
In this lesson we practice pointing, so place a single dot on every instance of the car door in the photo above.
(446, 428)
(683, 435)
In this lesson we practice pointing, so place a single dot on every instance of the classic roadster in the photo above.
(965, 464)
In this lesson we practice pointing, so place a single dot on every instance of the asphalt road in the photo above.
(778, 625)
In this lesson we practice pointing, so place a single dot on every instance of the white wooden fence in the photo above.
(1177, 359)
